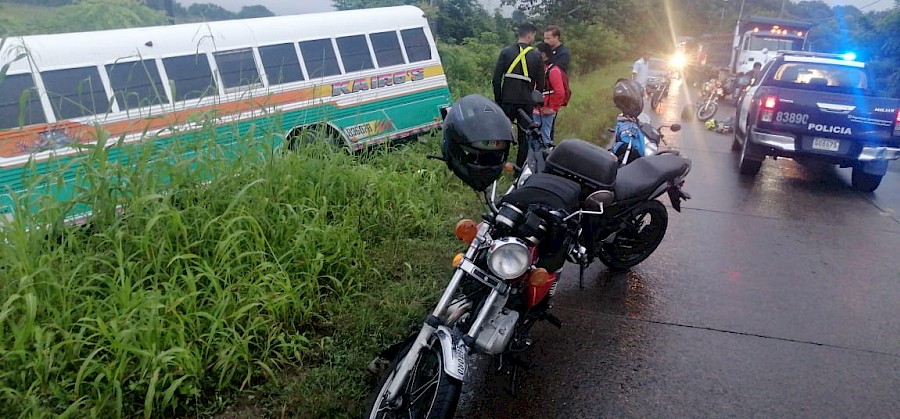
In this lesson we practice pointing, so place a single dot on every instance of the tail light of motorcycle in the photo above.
(768, 108)
(466, 230)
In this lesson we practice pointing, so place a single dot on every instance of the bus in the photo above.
(361, 77)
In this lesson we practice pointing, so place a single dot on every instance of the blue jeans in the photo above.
(546, 122)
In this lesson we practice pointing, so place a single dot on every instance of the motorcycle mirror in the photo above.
(537, 97)
(675, 127)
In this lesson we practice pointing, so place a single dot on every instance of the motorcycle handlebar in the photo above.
(527, 119)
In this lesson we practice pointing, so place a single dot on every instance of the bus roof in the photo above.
(67, 50)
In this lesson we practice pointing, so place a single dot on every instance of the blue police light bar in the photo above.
(849, 56)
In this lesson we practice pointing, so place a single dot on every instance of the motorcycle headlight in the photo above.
(508, 258)
(719, 91)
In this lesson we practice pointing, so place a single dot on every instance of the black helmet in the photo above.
(628, 97)
(477, 138)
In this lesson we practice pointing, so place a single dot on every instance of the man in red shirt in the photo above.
(554, 95)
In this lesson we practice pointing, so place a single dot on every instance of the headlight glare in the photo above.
(508, 258)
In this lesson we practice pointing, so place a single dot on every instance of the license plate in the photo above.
(826, 144)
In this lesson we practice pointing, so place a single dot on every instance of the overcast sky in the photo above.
(287, 7)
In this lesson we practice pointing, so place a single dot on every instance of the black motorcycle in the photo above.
(570, 203)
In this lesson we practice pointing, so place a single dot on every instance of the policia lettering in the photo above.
(519, 59)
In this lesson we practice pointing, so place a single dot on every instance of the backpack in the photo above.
(565, 79)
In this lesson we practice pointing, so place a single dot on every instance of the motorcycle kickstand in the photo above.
(581, 275)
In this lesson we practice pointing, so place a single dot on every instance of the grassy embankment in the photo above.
(274, 281)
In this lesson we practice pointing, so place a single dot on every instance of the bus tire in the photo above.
(310, 134)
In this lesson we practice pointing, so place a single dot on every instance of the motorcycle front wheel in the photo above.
(428, 393)
(646, 227)
(707, 110)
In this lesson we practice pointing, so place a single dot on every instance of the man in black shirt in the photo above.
(519, 72)
(560, 55)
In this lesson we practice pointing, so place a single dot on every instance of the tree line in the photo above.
(602, 31)
(598, 32)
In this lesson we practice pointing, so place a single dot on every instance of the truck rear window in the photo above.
(821, 76)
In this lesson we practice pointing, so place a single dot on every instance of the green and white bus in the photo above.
(362, 77)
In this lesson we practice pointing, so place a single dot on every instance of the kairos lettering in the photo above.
(376, 82)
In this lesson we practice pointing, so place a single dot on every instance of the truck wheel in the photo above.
(863, 181)
(750, 162)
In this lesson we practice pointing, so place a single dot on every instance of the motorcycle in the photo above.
(707, 107)
(581, 206)
(636, 137)
(658, 89)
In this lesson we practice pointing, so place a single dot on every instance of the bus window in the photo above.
(14, 88)
(191, 77)
(387, 48)
(319, 58)
(281, 63)
(417, 47)
(355, 53)
(136, 84)
(75, 92)
(237, 68)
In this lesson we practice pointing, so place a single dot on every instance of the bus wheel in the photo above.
(303, 136)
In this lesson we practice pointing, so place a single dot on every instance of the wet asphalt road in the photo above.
(775, 296)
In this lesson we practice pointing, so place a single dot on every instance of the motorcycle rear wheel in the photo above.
(428, 393)
(707, 110)
(646, 228)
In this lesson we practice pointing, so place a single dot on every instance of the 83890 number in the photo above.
(792, 118)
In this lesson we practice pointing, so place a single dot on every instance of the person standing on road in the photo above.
(640, 71)
(560, 55)
(518, 73)
(754, 73)
(554, 95)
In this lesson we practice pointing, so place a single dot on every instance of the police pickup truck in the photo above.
(822, 107)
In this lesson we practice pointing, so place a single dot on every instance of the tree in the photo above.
(254, 11)
(92, 15)
(460, 19)
(209, 11)
(366, 4)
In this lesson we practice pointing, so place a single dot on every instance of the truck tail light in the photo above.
(768, 108)
(897, 125)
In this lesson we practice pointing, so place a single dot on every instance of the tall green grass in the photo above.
(591, 110)
(208, 274)
(199, 276)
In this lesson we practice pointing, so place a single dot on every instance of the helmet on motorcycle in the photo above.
(628, 96)
(477, 138)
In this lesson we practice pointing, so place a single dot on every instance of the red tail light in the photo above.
(768, 108)
(897, 125)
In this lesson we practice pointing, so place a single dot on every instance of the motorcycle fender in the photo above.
(659, 191)
(454, 351)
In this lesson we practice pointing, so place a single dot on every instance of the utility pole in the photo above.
(781, 14)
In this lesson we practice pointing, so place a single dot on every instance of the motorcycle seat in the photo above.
(549, 191)
(642, 176)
